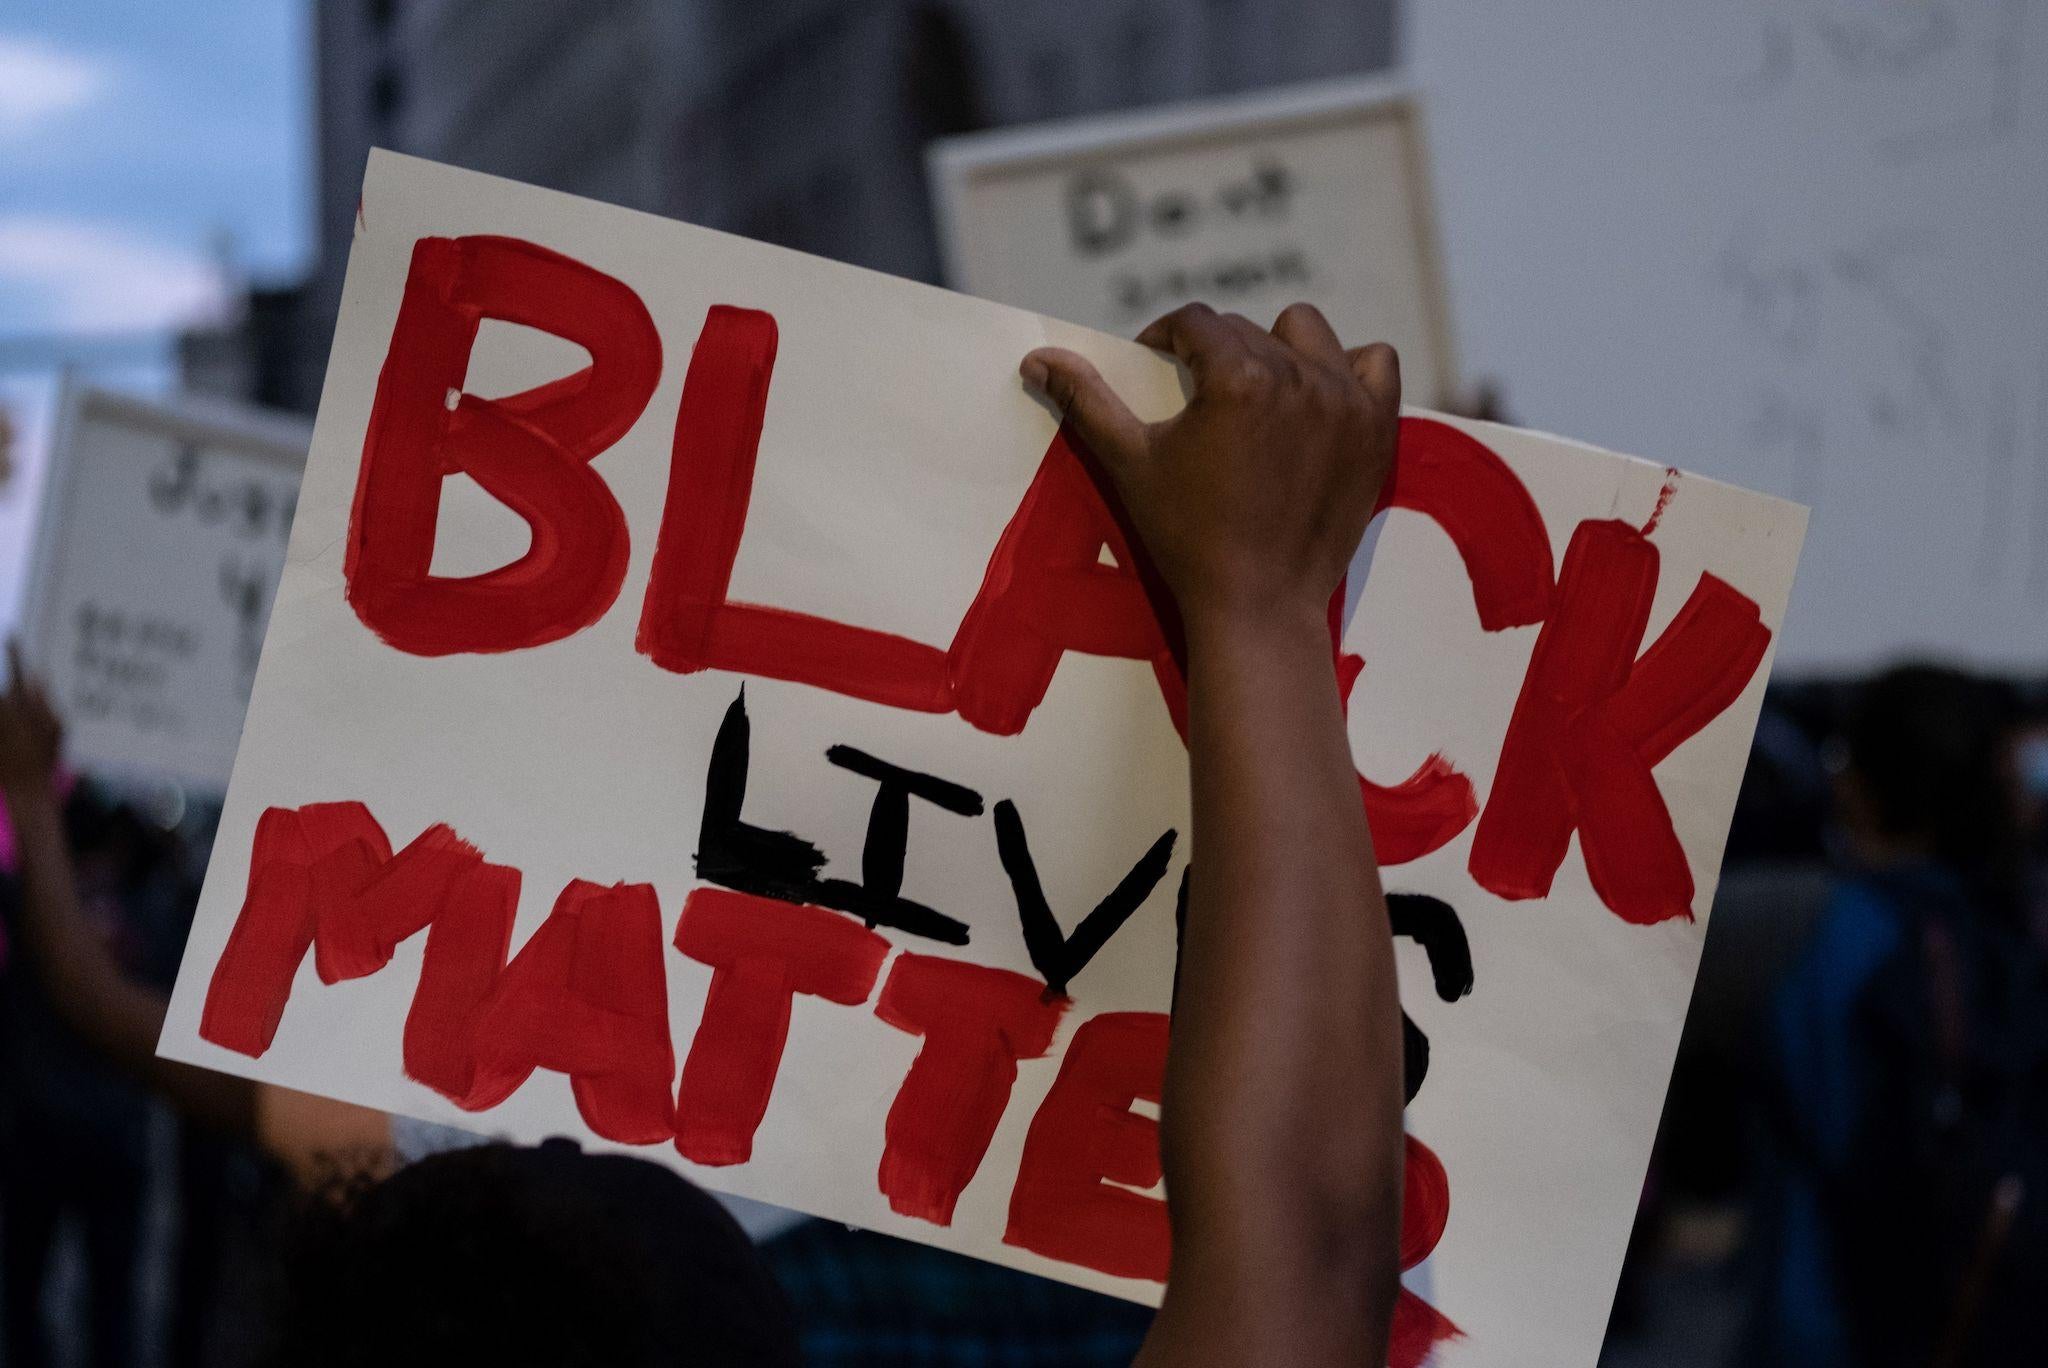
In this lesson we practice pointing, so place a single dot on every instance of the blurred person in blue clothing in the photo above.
(1906, 1071)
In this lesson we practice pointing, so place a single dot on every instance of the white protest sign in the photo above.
(787, 702)
(158, 546)
(1318, 192)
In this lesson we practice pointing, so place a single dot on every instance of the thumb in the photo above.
(1071, 381)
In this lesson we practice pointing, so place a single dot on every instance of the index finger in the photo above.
(1195, 333)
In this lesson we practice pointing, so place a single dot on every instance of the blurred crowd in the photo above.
(1853, 1159)
(1854, 1151)
(117, 1222)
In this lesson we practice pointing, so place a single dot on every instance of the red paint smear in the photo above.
(1460, 484)
(585, 996)
(1425, 1210)
(529, 451)
(323, 878)
(1693, 672)
(1128, 550)
(467, 946)
(1591, 720)
(252, 979)
(1417, 1330)
(1084, 1137)
(368, 901)
(1425, 1202)
(762, 953)
(1045, 593)
(977, 1022)
(688, 623)
(1424, 811)
(1663, 499)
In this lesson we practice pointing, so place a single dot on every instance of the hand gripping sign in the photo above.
(709, 711)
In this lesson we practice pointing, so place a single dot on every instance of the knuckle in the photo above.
(1337, 393)
(1307, 383)
(1242, 377)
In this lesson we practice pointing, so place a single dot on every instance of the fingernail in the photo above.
(1034, 372)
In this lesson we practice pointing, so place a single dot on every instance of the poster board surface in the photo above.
(158, 547)
(1317, 192)
(840, 520)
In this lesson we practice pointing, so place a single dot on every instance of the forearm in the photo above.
(1283, 1120)
(87, 986)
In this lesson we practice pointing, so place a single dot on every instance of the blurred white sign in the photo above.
(1797, 245)
(1318, 192)
(160, 540)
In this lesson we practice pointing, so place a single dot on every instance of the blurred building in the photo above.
(800, 122)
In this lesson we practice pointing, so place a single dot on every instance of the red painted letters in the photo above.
(1592, 720)
(977, 1022)
(1046, 593)
(763, 953)
(529, 451)
(1425, 1209)
(1085, 1137)
(252, 979)
(688, 623)
(1454, 480)
(586, 996)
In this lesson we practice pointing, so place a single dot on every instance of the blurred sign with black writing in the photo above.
(1317, 192)
(158, 548)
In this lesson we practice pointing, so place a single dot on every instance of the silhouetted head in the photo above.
(111, 841)
(1930, 769)
(547, 1257)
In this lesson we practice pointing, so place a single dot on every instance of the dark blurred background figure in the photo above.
(1903, 1077)
(2030, 767)
(73, 1133)
(1854, 1153)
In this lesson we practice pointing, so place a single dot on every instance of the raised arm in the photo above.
(1282, 1113)
(86, 985)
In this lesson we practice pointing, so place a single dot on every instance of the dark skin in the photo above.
(1282, 1113)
